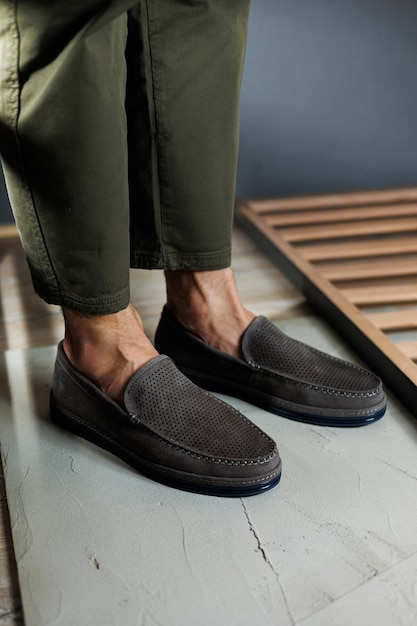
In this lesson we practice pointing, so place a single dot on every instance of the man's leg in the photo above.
(64, 148)
(182, 206)
(63, 139)
(208, 304)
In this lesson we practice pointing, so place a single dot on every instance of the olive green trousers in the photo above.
(118, 136)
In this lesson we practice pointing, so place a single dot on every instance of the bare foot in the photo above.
(207, 303)
(107, 349)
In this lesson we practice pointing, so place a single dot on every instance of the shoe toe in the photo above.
(322, 383)
(206, 437)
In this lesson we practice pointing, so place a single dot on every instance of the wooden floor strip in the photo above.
(343, 264)
(394, 320)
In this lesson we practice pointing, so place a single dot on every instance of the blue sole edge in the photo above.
(319, 420)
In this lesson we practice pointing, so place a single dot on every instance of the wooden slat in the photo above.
(359, 249)
(385, 294)
(376, 268)
(394, 320)
(408, 194)
(341, 215)
(350, 229)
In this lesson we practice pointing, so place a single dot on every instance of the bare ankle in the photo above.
(195, 292)
(108, 349)
(208, 304)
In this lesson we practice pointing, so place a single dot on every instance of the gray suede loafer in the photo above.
(170, 430)
(277, 373)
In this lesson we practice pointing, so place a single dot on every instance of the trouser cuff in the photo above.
(182, 261)
(94, 306)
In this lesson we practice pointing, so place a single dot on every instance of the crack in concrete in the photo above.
(266, 559)
(398, 469)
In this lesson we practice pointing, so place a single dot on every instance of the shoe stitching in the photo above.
(293, 406)
(194, 455)
(216, 460)
(325, 411)
(326, 390)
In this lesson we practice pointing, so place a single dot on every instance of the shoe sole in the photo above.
(290, 410)
(175, 478)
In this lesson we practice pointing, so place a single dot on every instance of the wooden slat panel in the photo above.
(376, 268)
(359, 249)
(350, 229)
(340, 215)
(392, 294)
(333, 200)
(312, 284)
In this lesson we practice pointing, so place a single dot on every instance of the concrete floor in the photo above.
(97, 544)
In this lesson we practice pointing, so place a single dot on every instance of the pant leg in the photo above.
(185, 59)
(63, 139)
(64, 148)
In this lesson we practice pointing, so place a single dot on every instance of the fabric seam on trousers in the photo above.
(36, 221)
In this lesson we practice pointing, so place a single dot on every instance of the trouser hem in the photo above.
(181, 261)
(95, 306)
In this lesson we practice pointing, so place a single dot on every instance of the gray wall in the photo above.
(329, 97)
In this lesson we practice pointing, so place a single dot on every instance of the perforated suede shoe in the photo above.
(277, 373)
(171, 430)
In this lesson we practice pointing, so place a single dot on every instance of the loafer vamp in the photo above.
(196, 427)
